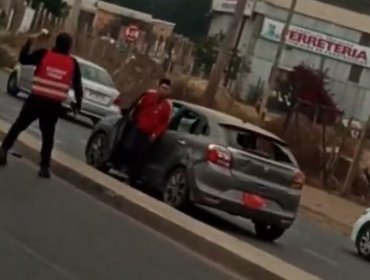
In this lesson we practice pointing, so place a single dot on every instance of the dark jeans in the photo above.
(47, 112)
(141, 148)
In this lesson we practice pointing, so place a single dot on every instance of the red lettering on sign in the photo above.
(304, 39)
(347, 51)
(312, 41)
(330, 46)
(339, 49)
(294, 36)
(326, 45)
(362, 55)
(321, 43)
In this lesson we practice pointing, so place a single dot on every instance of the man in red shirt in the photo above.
(150, 120)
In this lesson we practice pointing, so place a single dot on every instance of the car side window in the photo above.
(176, 107)
(187, 122)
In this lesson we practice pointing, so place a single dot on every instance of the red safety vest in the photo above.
(54, 76)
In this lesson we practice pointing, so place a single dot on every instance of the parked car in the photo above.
(100, 93)
(361, 235)
(212, 159)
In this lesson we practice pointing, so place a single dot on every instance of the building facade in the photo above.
(321, 35)
(162, 29)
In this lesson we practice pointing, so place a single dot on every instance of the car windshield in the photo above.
(96, 75)
(258, 144)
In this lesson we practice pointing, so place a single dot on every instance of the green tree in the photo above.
(57, 8)
(205, 53)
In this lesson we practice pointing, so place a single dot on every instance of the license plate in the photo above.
(96, 97)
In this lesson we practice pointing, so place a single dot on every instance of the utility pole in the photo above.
(224, 54)
(247, 59)
(277, 59)
(72, 22)
(353, 169)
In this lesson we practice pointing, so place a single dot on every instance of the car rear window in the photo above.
(258, 144)
(96, 75)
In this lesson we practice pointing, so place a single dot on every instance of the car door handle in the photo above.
(181, 142)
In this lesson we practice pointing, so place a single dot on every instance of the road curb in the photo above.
(221, 248)
(321, 217)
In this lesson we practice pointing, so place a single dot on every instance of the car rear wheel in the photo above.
(97, 152)
(268, 232)
(363, 242)
(12, 85)
(176, 191)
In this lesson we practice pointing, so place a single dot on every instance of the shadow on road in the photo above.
(352, 253)
(217, 222)
(205, 216)
(201, 215)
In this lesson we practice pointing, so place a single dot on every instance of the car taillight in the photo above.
(253, 201)
(219, 156)
(299, 180)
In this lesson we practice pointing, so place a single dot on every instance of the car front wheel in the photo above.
(363, 242)
(176, 191)
(12, 86)
(97, 152)
(268, 233)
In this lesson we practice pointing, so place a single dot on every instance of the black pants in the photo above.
(141, 148)
(47, 112)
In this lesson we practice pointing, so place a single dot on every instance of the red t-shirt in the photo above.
(153, 114)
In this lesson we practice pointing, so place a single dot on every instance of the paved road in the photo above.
(49, 231)
(309, 246)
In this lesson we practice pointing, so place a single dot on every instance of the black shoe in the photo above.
(44, 173)
(3, 158)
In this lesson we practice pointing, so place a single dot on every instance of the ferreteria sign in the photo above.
(317, 43)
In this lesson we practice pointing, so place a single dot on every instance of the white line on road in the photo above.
(37, 256)
(321, 257)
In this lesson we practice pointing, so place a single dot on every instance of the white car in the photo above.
(100, 93)
(361, 235)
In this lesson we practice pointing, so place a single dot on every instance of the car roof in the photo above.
(228, 120)
(89, 63)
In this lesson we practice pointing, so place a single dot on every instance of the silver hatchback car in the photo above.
(212, 159)
(100, 93)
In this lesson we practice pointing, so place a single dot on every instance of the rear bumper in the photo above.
(211, 187)
(283, 220)
(88, 109)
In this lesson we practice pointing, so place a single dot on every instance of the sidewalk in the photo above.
(334, 211)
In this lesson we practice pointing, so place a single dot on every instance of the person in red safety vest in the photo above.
(150, 120)
(56, 72)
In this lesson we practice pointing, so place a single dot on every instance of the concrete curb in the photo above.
(233, 254)
(318, 216)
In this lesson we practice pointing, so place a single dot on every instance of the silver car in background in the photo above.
(100, 93)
